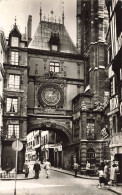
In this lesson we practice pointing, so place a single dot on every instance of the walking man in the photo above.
(26, 168)
(37, 169)
(75, 168)
(47, 167)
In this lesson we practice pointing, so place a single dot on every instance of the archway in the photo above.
(50, 149)
(51, 126)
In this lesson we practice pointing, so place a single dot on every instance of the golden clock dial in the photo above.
(50, 95)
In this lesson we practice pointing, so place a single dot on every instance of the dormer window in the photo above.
(54, 42)
(54, 48)
(14, 41)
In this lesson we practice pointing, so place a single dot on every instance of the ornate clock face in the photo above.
(50, 95)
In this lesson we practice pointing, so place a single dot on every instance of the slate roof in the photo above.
(43, 33)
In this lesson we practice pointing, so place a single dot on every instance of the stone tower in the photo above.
(89, 119)
(92, 23)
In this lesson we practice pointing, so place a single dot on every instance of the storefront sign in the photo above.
(58, 148)
(104, 133)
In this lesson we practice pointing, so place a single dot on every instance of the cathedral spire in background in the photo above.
(40, 12)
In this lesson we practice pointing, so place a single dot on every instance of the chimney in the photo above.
(29, 27)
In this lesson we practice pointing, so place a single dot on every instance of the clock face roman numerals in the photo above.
(50, 95)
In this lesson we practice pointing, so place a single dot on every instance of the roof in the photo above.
(42, 36)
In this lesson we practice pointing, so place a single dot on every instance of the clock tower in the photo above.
(55, 77)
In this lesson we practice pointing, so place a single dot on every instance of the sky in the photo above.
(23, 8)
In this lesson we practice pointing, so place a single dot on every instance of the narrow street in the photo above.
(57, 184)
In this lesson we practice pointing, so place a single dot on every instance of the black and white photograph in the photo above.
(60, 97)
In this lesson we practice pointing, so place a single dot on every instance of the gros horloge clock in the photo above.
(50, 95)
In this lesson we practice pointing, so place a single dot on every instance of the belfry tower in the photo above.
(92, 20)
(88, 107)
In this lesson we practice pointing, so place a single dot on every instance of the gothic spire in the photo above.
(40, 13)
(63, 12)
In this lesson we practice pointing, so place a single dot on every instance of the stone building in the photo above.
(2, 58)
(114, 67)
(43, 74)
(55, 77)
(89, 118)
(15, 98)
(52, 85)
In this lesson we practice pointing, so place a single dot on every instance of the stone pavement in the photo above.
(117, 189)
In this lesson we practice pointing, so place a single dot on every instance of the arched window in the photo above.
(91, 155)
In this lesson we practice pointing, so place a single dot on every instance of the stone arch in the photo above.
(47, 125)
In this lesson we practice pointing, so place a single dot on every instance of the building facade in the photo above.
(15, 98)
(114, 66)
(2, 58)
(55, 77)
(89, 118)
(50, 85)
(42, 75)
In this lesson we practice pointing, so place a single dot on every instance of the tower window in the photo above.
(54, 66)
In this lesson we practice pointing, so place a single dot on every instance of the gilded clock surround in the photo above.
(51, 95)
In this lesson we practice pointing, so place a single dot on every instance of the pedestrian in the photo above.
(113, 174)
(47, 166)
(101, 177)
(37, 169)
(106, 173)
(102, 165)
(87, 168)
(26, 168)
(75, 165)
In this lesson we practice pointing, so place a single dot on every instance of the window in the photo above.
(14, 41)
(14, 58)
(76, 128)
(13, 131)
(91, 155)
(54, 41)
(113, 86)
(14, 81)
(12, 104)
(54, 48)
(54, 66)
(90, 130)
